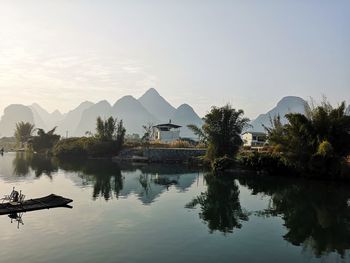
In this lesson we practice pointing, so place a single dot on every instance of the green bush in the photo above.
(222, 163)
(85, 147)
(268, 162)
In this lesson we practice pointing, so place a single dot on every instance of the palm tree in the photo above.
(23, 132)
(222, 128)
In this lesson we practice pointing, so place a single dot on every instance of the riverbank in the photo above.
(160, 155)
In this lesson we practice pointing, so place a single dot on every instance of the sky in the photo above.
(250, 54)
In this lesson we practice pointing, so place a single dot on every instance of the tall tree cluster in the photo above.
(315, 143)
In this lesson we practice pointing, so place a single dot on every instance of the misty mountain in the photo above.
(290, 104)
(128, 109)
(348, 110)
(12, 114)
(87, 122)
(133, 114)
(157, 105)
(43, 119)
(149, 108)
(38, 120)
(185, 115)
(71, 119)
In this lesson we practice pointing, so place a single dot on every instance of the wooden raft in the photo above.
(46, 202)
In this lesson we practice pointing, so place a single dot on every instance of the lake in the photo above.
(170, 213)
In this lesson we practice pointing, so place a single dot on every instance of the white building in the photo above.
(166, 132)
(254, 139)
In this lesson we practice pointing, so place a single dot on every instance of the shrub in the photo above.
(222, 163)
(85, 147)
(271, 163)
(180, 144)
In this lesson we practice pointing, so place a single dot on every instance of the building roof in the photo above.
(167, 125)
(255, 133)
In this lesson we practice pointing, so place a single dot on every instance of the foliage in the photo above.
(222, 163)
(86, 147)
(107, 142)
(23, 132)
(271, 163)
(223, 127)
(44, 141)
(180, 144)
(202, 137)
(110, 130)
(147, 136)
(316, 143)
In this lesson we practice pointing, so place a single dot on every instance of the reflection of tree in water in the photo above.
(21, 164)
(316, 214)
(40, 164)
(105, 176)
(220, 205)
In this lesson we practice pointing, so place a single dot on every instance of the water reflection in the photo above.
(24, 162)
(113, 180)
(16, 218)
(104, 175)
(316, 214)
(220, 205)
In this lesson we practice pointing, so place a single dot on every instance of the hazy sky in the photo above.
(249, 53)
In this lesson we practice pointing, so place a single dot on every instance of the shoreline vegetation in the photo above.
(315, 144)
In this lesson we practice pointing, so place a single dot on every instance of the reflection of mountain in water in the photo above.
(146, 182)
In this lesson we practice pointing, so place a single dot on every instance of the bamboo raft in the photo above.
(46, 202)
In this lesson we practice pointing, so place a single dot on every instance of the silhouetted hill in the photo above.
(12, 114)
(150, 108)
(87, 122)
(185, 115)
(157, 105)
(290, 104)
(38, 114)
(133, 114)
(43, 119)
(71, 119)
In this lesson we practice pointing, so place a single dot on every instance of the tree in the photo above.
(110, 129)
(315, 143)
(147, 136)
(23, 132)
(222, 128)
(45, 141)
(202, 138)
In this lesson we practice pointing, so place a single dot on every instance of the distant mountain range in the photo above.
(289, 104)
(151, 107)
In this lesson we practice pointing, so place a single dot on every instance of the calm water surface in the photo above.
(171, 214)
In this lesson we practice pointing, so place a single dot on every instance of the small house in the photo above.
(253, 139)
(167, 132)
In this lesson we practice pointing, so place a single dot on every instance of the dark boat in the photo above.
(46, 202)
